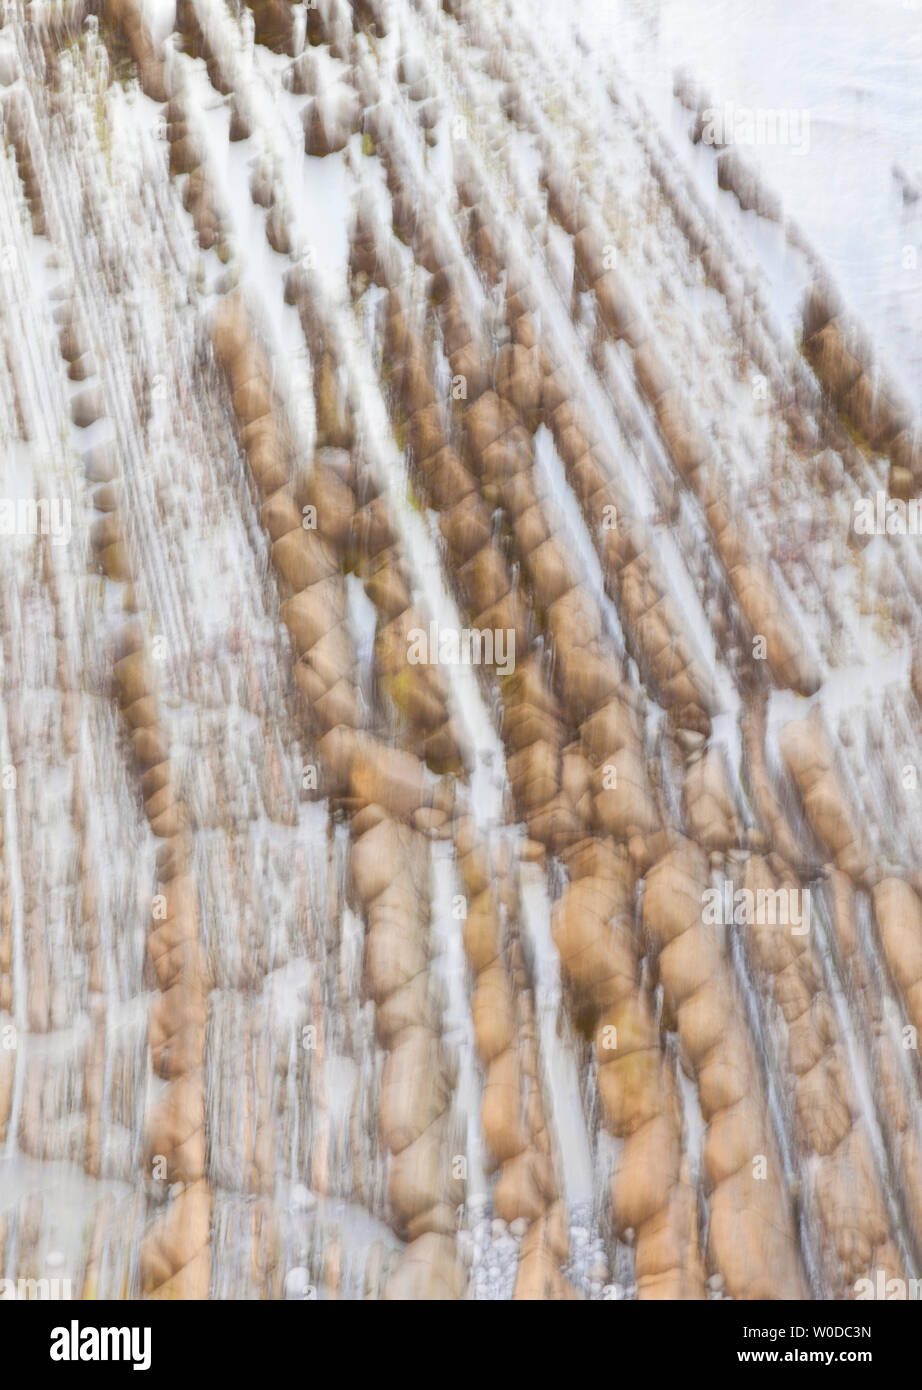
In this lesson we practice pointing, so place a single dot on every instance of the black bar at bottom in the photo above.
(318, 1337)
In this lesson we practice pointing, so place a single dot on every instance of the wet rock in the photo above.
(87, 406)
(737, 175)
(329, 121)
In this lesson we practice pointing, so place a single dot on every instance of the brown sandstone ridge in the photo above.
(275, 24)
(651, 1194)
(175, 1260)
(512, 1113)
(306, 559)
(175, 1251)
(710, 813)
(811, 761)
(782, 836)
(175, 1255)
(852, 1211)
(691, 453)
(530, 726)
(587, 677)
(186, 156)
(126, 20)
(899, 921)
(872, 405)
(751, 1240)
(191, 36)
(17, 119)
(900, 1124)
(383, 788)
(355, 512)
(389, 865)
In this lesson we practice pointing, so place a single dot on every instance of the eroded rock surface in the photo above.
(458, 755)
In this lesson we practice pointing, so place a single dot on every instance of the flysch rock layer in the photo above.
(328, 969)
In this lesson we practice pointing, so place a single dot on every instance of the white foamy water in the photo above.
(855, 69)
